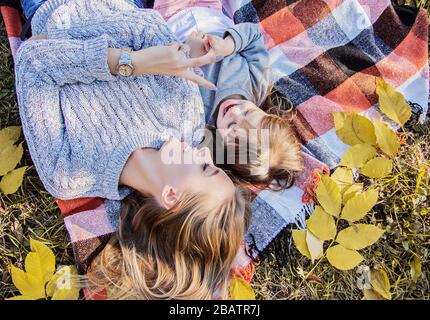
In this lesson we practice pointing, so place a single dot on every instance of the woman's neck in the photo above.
(141, 171)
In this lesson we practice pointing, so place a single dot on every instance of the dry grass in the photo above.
(32, 212)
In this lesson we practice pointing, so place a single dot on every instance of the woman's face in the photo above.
(238, 113)
(189, 169)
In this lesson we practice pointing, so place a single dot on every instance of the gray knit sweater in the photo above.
(81, 123)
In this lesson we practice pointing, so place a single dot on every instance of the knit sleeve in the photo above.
(64, 61)
(40, 69)
(250, 45)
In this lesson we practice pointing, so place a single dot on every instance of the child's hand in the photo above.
(200, 44)
(221, 47)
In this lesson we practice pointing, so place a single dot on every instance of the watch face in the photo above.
(125, 70)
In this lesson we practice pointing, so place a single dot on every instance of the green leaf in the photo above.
(329, 196)
(9, 158)
(392, 103)
(8, 136)
(299, 237)
(241, 290)
(11, 182)
(359, 205)
(342, 258)
(377, 168)
(354, 129)
(321, 224)
(343, 178)
(359, 236)
(356, 156)
(387, 139)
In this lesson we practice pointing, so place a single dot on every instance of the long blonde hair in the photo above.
(185, 252)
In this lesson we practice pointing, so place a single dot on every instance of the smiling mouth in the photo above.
(228, 108)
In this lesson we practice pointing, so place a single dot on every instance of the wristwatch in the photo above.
(125, 67)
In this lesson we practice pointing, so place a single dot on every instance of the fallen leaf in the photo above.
(359, 205)
(9, 158)
(315, 246)
(241, 290)
(9, 135)
(415, 265)
(370, 294)
(359, 236)
(351, 191)
(11, 182)
(377, 168)
(63, 285)
(354, 129)
(380, 283)
(329, 196)
(342, 258)
(299, 237)
(321, 224)
(27, 284)
(356, 156)
(40, 262)
(343, 178)
(392, 103)
(387, 139)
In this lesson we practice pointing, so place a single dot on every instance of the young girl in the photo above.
(100, 121)
(242, 100)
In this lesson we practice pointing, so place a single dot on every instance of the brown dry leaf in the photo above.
(380, 283)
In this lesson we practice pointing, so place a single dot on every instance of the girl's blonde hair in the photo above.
(274, 167)
(185, 252)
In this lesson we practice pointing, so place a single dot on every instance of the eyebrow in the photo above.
(214, 173)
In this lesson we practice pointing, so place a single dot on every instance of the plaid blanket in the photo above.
(325, 55)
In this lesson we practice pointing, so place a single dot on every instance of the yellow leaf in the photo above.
(377, 168)
(343, 177)
(27, 284)
(380, 283)
(359, 205)
(299, 237)
(8, 136)
(356, 156)
(9, 158)
(353, 129)
(351, 191)
(387, 139)
(63, 285)
(359, 236)
(328, 195)
(241, 290)
(415, 265)
(40, 263)
(342, 258)
(315, 246)
(321, 224)
(21, 297)
(12, 181)
(370, 294)
(392, 103)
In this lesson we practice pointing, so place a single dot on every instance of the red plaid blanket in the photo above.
(325, 56)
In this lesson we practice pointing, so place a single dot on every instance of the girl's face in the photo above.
(238, 113)
(188, 169)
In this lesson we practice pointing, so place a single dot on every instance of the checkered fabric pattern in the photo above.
(325, 56)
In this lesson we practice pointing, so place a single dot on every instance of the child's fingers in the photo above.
(201, 61)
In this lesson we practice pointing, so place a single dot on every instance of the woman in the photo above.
(99, 121)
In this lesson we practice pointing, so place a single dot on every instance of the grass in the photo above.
(402, 212)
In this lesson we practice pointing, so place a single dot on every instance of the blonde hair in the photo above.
(185, 252)
(279, 162)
